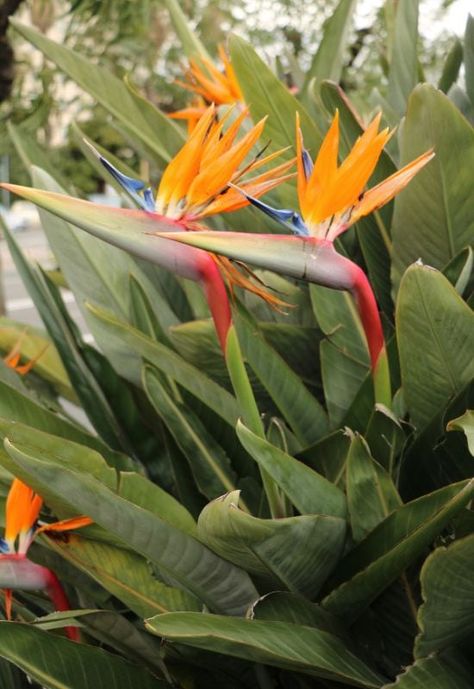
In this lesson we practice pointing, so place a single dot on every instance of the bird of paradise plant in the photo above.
(209, 86)
(332, 198)
(13, 358)
(17, 572)
(194, 185)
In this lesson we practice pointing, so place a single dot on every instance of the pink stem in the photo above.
(369, 314)
(216, 295)
(56, 592)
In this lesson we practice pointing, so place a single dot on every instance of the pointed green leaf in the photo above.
(469, 57)
(435, 330)
(451, 67)
(209, 464)
(285, 645)
(433, 218)
(403, 73)
(266, 95)
(309, 492)
(192, 46)
(371, 494)
(299, 408)
(329, 58)
(391, 547)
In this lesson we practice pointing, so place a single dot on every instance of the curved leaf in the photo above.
(281, 644)
(297, 553)
(223, 587)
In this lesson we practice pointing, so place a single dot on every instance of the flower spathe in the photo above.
(22, 510)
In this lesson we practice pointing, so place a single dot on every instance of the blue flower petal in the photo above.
(4, 546)
(307, 163)
(285, 216)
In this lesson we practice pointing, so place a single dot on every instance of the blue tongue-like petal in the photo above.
(307, 163)
(285, 216)
(131, 185)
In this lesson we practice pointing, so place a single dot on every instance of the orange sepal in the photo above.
(66, 524)
(385, 191)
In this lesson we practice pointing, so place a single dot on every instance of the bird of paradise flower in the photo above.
(17, 571)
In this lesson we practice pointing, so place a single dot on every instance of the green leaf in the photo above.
(139, 346)
(299, 408)
(437, 672)
(125, 575)
(451, 67)
(446, 617)
(403, 73)
(344, 356)
(329, 58)
(391, 547)
(371, 494)
(57, 663)
(296, 553)
(289, 646)
(469, 57)
(159, 134)
(192, 46)
(266, 95)
(210, 465)
(221, 586)
(280, 606)
(434, 218)
(464, 423)
(435, 331)
(49, 303)
(309, 492)
(16, 406)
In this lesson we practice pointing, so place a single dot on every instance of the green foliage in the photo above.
(256, 510)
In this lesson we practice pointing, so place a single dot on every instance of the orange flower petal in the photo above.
(390, 187)
(21, 511)
(66, 524)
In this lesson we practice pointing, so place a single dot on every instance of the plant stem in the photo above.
(250, 414)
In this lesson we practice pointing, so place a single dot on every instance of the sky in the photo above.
(453, 19)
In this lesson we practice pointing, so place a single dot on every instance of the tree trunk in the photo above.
(7, 9)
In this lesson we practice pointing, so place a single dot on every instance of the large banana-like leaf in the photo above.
(125, 575)
(285, 645)
(391, 547)
(296, 553)
(434, 216)
(447, 614)
(220, 585)
(435, 329)
(57, 663)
